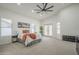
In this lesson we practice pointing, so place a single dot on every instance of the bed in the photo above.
(28, 39)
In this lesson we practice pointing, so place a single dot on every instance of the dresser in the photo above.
(68, 38)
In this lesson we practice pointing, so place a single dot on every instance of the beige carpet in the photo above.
(48, 46)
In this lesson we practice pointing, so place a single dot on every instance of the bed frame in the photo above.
(29, 44)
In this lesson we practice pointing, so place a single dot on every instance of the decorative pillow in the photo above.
(33, 36)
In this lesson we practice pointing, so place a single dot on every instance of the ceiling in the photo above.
(25, 9)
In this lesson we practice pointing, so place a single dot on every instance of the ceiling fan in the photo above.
(43, 8)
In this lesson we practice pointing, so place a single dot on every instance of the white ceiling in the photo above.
(25, 9)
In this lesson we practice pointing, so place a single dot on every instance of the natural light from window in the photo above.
(58, 28)
(32, 28)
(6, 27)
(48, 30)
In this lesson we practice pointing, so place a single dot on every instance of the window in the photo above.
(58, 28)
(32, 28)
(5, 27)
(48, 30)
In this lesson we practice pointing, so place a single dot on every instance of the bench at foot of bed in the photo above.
(30, 43)
(33, 42)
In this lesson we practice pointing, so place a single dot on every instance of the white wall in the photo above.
(53, 20)
(15, 17)
(69, 19)
(0, 29)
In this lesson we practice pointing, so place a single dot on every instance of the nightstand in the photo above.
(14, 38)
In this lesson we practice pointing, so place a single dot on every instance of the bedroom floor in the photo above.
(48, 46)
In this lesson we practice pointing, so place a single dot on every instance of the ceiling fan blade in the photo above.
(45, 6)
(39, 6)
(49, 7)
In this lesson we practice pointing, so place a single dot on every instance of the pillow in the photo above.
(33, 36)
